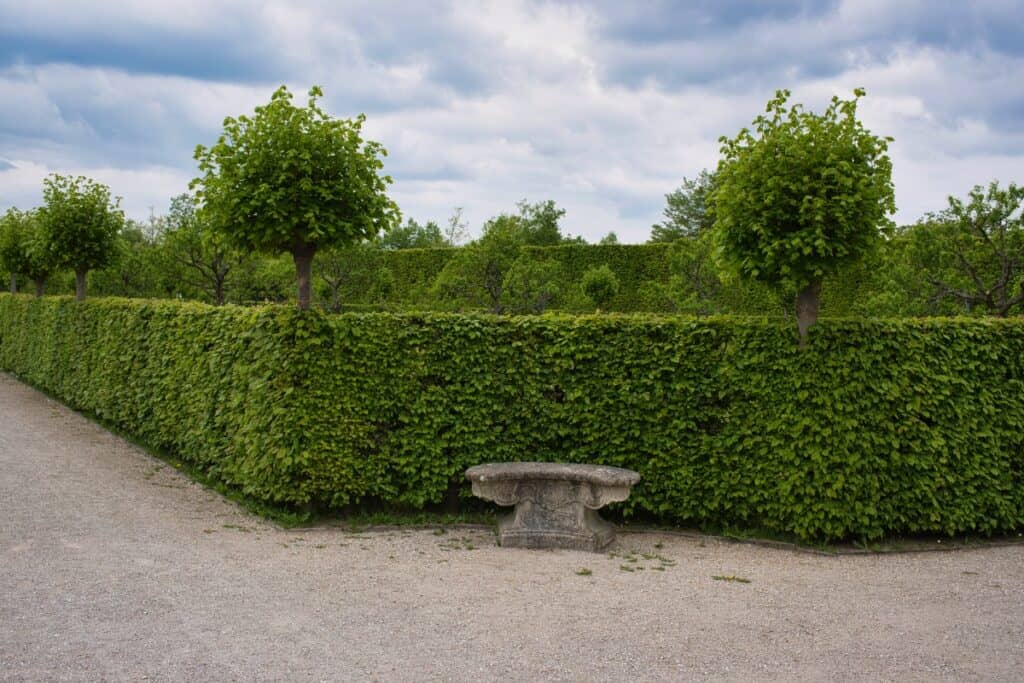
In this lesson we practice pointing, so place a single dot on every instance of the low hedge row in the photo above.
(880, 427)
(644, 272)
(635, 265)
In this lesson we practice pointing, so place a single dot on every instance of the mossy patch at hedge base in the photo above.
(880, 427)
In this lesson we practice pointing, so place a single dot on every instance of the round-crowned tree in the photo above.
(294, 179)
(12, 253)
(600, 284)
(22, 249)
(79, 224)
(801, 196)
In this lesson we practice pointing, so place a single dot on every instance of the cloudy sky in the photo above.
(602, 106)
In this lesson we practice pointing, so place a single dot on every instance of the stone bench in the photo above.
(556, 504)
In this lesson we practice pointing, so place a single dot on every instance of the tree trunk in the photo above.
(80, 285)
(218, 293)
(40, 286)
(807, 309)
(14, 283)
(335, 297)
(303, 254)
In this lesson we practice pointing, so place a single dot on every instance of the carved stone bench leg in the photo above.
(552, 515)
(556, 504)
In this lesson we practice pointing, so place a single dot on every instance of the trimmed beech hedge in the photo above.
(880, 427)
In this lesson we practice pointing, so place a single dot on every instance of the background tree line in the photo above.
(966, 259)
(796, 211)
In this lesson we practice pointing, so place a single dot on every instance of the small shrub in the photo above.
(600, 285)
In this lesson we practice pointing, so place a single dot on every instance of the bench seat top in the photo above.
(601, 475)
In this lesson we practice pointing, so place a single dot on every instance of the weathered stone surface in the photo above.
(555, 503)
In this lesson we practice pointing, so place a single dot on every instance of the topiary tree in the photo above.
(293, 179)
(80, 223)
(801, 196)
(22, 250)
(600, 285)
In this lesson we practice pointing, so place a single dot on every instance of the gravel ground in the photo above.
(114, 566)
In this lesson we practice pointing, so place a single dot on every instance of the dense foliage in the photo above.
(600, 285)
(80, 223)
(294, 179)
(686, 212)
(801, 196)
(880, 427)
(22, 250)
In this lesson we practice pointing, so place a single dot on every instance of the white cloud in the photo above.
(142, 190)
(483, 104)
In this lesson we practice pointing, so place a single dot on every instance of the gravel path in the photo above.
(114, 566)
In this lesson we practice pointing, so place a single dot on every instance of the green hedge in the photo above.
(644, 272)
(635, 266)
(413, 270)
(880, 427)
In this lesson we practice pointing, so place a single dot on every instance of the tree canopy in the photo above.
(80, 224)
(294, 179)
(413, 235)
(686, 212)
(539, 223)
(22, 251)
(201, 255)
(800, 196)
(973, 251)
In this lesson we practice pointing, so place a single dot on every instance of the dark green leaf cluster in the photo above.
(412, 235)
(600, 285)
(637, 267)
(530, 286)
(879, 427)
(802, 194)
(687, 213)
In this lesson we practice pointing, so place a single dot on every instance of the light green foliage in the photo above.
(610, 238)
(972, 253)
(22, 250)
(880, 427)
(530, 286)
(686, 212)
(475, 276)
(803, 194)
(412, 235)
(292, 175)
(600, 285)
(80, 224)
(293, 179)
